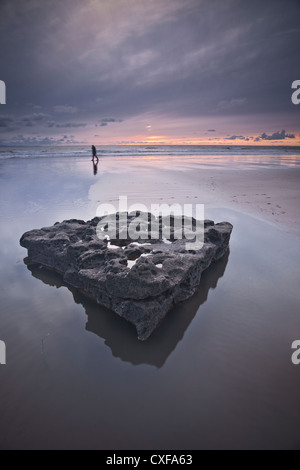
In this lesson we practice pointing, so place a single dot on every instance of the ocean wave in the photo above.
(141, 151)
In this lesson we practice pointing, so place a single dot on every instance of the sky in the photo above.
(149, 72)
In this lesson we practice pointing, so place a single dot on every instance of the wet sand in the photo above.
(266, 187)
(216, 375)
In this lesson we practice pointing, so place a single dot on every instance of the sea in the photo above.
(143, 150)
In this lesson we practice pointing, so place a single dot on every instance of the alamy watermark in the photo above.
(2, 92)
(296, 94)
(2, 353)
(160, 221)
(296, 354)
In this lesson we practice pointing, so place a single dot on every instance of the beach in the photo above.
(265, 186)
(217, 374)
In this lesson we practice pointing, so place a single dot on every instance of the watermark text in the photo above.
(296, 354)
(2, 92)
(2, 353)
(296, 94)
(160, 221)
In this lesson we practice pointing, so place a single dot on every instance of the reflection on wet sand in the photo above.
(120, 336)
(95, 166)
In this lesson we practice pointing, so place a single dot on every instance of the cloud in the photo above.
(108, 120)
(67, 139)
(235, 137)
(25, 140)
(32, 141)
(32, 119)
(66, 124)
(211, 130)
(6, 121)
(105, 121)
(234, 103)
(184, 59)
(65, 109)
(289, 31)
(277, 136)
(38, 117)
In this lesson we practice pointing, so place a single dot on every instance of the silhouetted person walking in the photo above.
(94, 152)
(95, 160)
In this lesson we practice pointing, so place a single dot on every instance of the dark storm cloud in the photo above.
(105, 121)
(109, 120)
(6, 121)
(36, 117)
(25, 140)
(66, 124)
(71, 124)
(12, 123)
(236, 137)
(171, 57)
(277, 136)
(31, 120)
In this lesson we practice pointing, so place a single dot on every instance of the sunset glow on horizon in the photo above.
(157, 72)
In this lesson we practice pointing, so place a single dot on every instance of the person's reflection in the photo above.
(121, 337)
(95, 165)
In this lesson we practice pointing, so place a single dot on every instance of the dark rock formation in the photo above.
(139, 281)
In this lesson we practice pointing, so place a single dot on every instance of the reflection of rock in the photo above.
(120, 336)
(140, 282)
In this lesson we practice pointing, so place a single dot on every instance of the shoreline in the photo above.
(263, 186)
(267, 193)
